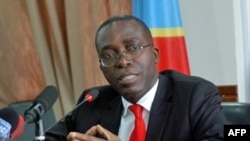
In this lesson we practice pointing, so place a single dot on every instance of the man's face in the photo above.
(132, 78)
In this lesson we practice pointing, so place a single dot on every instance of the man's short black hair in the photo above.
(124, 18)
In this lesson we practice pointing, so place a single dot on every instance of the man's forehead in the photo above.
(122, 23)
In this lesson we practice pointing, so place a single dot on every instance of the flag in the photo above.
(164, 21)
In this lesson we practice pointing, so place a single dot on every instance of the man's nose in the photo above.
(123, 60)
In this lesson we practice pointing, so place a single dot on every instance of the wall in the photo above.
(209, 32)
(217, 37)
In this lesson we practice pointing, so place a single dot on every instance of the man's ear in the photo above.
(156, 54)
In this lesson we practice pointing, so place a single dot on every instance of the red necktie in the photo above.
(139, 131)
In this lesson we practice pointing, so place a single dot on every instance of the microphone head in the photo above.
(41, 104)
(47, 97)
(90, 96)
(16, 121)
(11, 116)
(19, 128)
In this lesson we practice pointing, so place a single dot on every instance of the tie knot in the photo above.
(137, 110)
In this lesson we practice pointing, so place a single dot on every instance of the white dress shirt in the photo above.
(127, 119)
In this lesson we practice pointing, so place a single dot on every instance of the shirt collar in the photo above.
(146, 101)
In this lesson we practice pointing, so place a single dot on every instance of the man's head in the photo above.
(127, 56)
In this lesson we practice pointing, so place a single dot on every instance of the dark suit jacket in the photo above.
(185, 108)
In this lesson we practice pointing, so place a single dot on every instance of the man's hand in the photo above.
(90, 135)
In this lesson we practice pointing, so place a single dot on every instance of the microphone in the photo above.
(4, 130)
(41, 104)
(11, 124)
(89, 97)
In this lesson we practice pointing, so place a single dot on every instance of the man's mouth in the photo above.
(127, 79)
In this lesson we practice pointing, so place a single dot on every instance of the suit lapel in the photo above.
(160, 110)
(111, 115)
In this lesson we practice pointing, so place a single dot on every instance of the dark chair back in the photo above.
(237, 112)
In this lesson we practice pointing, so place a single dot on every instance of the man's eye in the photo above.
(133, 48)
(108, 56)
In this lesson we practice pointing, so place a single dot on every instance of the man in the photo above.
(175, 107)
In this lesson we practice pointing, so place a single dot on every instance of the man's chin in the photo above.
(129, 91)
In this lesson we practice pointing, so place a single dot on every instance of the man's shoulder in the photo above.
(102, 88)
(186, 85)
(180, 78)
(104, 92)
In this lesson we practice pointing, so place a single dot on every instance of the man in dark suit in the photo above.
(176, 107)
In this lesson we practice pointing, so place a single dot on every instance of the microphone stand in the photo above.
(40, 136)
